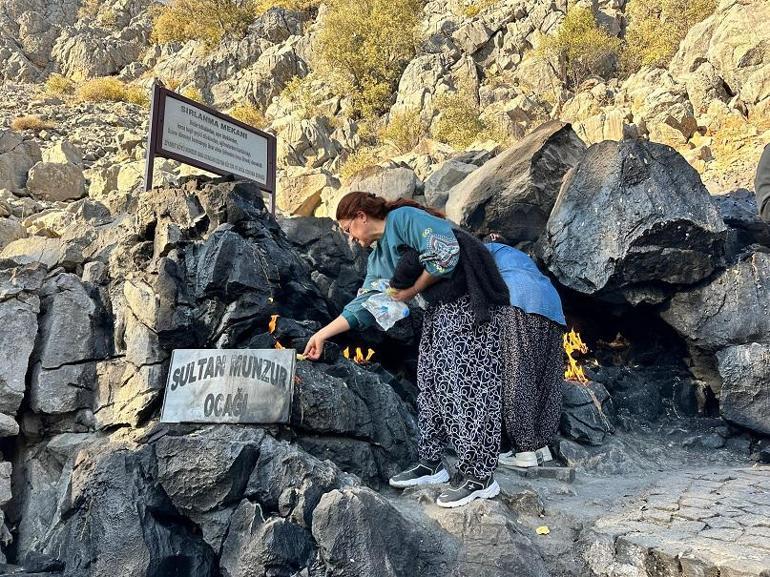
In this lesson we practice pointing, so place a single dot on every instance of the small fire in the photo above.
(573, 343)
(271, 327)
(359, 357)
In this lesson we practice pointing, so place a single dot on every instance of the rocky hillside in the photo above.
(475, 63)
(632, 191)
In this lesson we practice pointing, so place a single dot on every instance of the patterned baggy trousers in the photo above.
(460, 374)
(532, 389)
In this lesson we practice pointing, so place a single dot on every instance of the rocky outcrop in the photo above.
(17, 156)
(632, 213)
(513, 194)
(745, 394)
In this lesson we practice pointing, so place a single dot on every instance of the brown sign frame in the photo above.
(155, 144)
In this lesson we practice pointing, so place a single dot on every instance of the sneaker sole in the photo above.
(492, 491)
(512, 462)
(441, 477)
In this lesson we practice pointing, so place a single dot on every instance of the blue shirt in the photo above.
(430, 236)
(530, 289)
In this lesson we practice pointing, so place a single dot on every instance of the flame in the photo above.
(358, 356)
(278, 345)
(573, 343)
(273, 322)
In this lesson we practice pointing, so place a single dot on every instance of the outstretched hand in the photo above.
(314, 348)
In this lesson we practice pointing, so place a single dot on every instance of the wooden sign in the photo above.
(229, 386)
(184, 130)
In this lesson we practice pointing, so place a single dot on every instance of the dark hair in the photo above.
(376, 206)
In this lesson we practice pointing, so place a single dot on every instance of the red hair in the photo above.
(376, 206)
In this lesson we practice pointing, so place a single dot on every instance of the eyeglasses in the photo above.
(346, 229)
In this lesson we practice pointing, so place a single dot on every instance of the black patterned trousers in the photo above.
(460, 375)
(534, 373)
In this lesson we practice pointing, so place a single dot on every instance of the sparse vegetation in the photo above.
(32, 122)
(206, 20)
(358, 160)
(110, 89)
(476, 7)
(295, 5)
(366, 45)
(404, 130)
(581, 48)
(58, 85)
(656, 27)
(459, 123)
(193, 93)
(249, 114)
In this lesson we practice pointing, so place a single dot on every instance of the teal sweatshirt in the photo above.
(430, 236)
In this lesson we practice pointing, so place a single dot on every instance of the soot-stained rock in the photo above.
(632, 213)
(587, 411)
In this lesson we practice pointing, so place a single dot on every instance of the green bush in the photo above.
(206, 20)
(366, 45)
(580, 48)
(363, 157)
(656, 27)
(459, 122)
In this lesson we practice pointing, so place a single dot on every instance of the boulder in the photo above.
(739, 211)
(389, 183)
(731, 42)
(17, 156)
(55, 181)
(513, 193)
(443, 178)
(63, 152)
(745, 395)
(587, 411)
(306, 143)
(34, 249)
(733, 308)
(10, 230)
(19, 308)
(300, 190)
(631, 213)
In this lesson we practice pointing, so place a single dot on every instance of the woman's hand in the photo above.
(315, 347)
(404, 295)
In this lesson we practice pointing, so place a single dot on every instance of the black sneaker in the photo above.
(420, 474)
(466, 491)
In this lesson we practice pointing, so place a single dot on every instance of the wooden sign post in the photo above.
(184, 130)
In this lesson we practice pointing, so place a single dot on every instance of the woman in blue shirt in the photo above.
(532, 392)
(461, 365)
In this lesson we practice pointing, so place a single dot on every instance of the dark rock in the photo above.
(359, 533)
(733, 308)
(636, 390)
(39, 562)
(745, 395)
(513, 194)
(739, 211)
(632, 213)
(587, 411)
(290, 482)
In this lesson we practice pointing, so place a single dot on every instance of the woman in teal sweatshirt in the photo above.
(461, 364)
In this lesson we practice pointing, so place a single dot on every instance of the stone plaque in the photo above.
(229, 386)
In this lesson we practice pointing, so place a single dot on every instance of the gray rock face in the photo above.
(73, 334)
(19, 307)
(513, 193)
(54, 181)
(587, 411)
(389, 183)
(745, 395)
(16, 158)
(441, 181)
(630, 213)
(732, 309)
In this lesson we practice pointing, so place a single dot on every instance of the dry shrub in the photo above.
(404, 130)
(249, 114)
(656, 27)
(459, 123)
(32, 122)
(110, 89)
(362, 158)
(58, 85)
(206, 20)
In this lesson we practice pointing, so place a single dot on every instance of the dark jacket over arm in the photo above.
(762, 184)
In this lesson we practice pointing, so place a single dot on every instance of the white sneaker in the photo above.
(526, 458)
